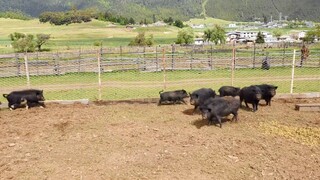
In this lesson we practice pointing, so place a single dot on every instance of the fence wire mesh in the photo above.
(141, 72)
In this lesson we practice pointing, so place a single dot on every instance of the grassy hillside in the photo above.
(80, 35)
(249, 9)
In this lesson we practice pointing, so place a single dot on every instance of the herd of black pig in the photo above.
(205, 100)
(213, 107)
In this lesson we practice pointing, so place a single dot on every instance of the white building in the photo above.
(198, 41)
(302, 34)
(249, 36)
(232, 26)
(199, 26)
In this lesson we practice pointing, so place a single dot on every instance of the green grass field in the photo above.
(135, 84)
(84, 35)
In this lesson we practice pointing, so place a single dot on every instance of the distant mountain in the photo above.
(244, 10)
(234, 10)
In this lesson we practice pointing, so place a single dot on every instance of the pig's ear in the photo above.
(275, 87)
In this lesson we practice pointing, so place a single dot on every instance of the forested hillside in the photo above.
(247, 10)
(238, 10)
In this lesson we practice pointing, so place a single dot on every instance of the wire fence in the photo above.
(141, 72)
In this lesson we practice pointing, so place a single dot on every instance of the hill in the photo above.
(247, 10)
(233, 10)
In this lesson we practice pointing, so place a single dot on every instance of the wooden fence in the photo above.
(147, 59)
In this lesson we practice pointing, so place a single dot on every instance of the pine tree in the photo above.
(260, 38)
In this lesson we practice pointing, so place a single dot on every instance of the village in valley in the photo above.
(247, 32)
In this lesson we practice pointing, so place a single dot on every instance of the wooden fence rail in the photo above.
(142, 59)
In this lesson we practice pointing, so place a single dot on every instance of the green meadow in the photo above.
(136, 84)
(84, 35)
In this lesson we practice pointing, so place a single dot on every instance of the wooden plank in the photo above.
(308, 107)
(297, 95)
(81, 101)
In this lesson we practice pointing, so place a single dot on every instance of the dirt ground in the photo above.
(146, 141)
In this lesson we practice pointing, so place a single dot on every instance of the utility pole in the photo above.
(280, 16)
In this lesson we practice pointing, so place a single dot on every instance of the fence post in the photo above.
(138, 59)
(144, 59)
(211, 49)
(164, 68)
(292, 71)
(27, 69)
(99, 74)
(191, 62)
(18, 64)
(79, 61)
(284, 52)
(101, 54)
(121, 53)
(233, 64)
(157, 64)
(254, 55)
(56, 64)
(319, 60)
(37, 63)
(172, 56)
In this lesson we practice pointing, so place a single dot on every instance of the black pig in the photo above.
(268, 91)
(251, 94)
(173, 96)
(216, 108)
(229, 91)
(198, 97)
(30, 97)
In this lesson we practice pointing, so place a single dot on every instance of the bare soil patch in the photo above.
(146, 141)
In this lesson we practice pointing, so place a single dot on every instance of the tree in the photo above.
(150, 40)
(66, 18)
(46, 17)
(317, 30)
(22, 42)
(178, 23)
(312, 34)
(16, 14)
(168, 21)
(141, 40)
(216, 35)
(185, 36)
(154, 19)
(277, 33)
(16, 36)
(208, 33)
(131, 21)
(41, 39)
(260, 38)
(265, 19)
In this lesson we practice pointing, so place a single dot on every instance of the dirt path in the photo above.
(146, 141)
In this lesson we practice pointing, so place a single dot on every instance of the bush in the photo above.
(141, 40)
